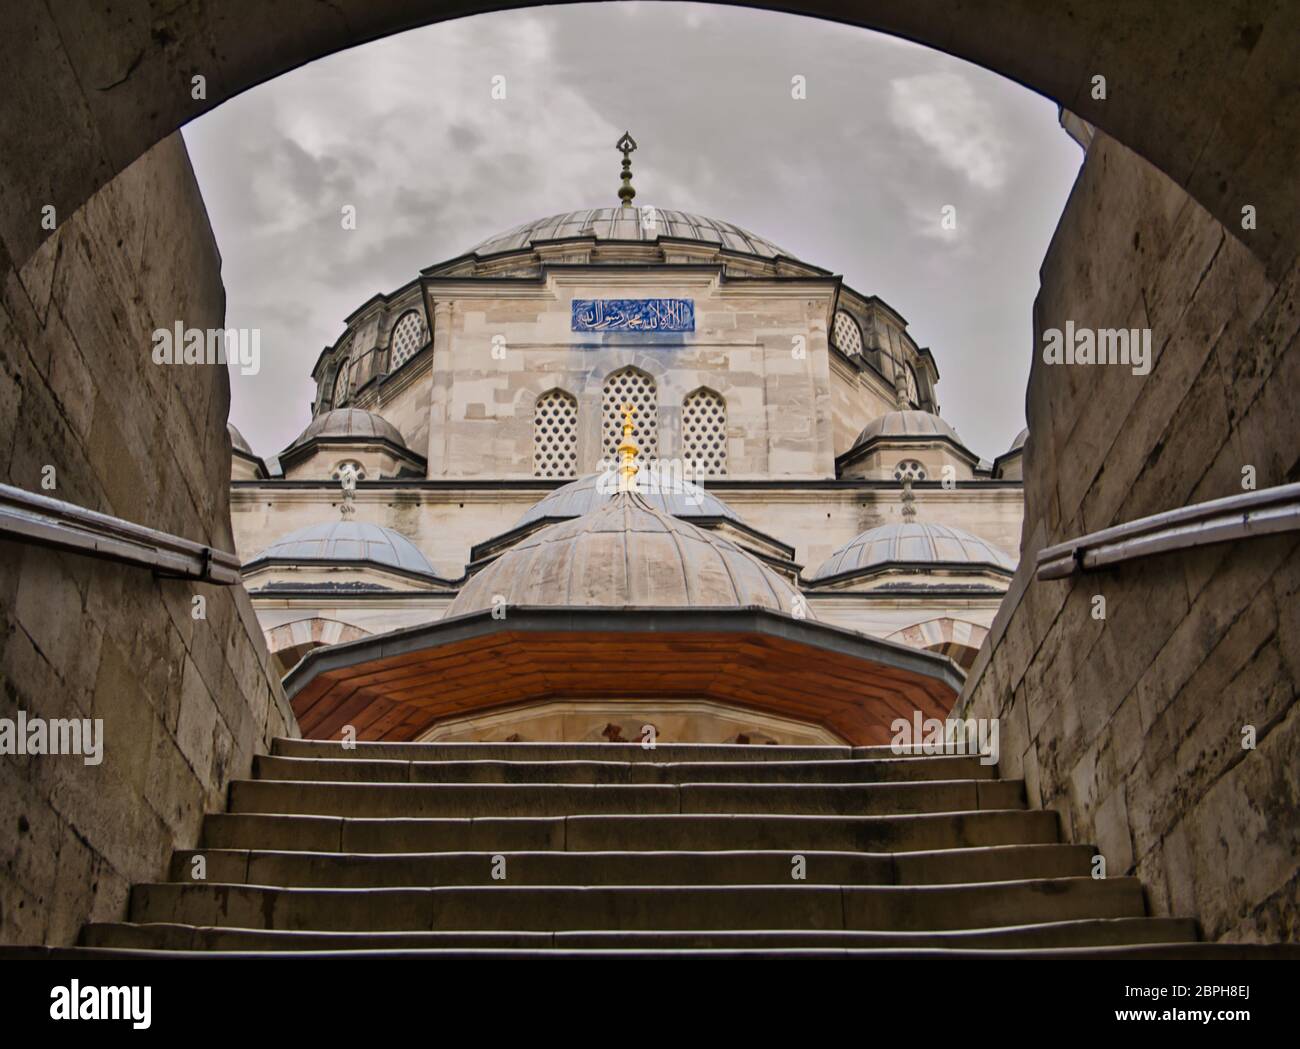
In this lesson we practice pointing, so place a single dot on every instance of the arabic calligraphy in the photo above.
(633, 315)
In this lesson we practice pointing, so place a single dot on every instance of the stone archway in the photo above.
(96, 85)
(958, 639)
(289, 642)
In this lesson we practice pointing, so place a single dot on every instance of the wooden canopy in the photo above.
(395, 686)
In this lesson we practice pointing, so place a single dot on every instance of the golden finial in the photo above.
(625, 145)
(627, 453)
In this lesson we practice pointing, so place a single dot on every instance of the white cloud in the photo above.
(405, 129)
(945, 113)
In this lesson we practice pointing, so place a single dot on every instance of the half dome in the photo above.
(350, 422)
(630, 223)
(913, 543)
(347, 541)
(626, 554)
(909, 423)
(593, 491)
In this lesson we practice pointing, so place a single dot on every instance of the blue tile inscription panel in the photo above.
(633, 315)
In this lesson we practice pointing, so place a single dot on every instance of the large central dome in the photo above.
(630, 223)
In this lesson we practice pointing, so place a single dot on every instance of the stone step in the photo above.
(1142, 952)
(662, 752)
(631, 833)
(563, 799)
(1085, 932)
(750, 867)
(616, 908)
(861, 770)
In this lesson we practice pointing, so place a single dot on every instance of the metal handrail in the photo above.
(1245, 516)
(32, 518)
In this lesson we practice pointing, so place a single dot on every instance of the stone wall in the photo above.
(446, 523)
(1131, 727)
(185, 702)
(778, 405)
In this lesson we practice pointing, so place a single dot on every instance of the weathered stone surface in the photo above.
(1136, 722)
(186, 703)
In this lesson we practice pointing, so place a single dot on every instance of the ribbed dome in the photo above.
(927, 543)
(625, 554)
(906, 424)
(237, 439)
(587, 493)
(620, 223)
(350, 422)
(1020, 440)
(347, 541)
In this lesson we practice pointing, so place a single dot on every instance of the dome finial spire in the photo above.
(626, 145)
(627, 453)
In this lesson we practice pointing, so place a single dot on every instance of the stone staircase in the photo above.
(501, 848)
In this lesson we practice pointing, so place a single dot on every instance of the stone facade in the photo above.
(447, 521)
(185, 703)
(782, 397)
(1131, 727)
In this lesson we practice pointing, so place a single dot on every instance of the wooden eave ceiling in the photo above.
(396, 686)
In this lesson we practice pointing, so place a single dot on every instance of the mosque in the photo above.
(624, 437)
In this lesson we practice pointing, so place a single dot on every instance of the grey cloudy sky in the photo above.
(853, 178)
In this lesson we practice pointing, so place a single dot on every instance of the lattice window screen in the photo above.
(704, 433)
(555, 435)
(630, 386)
(846, 334)
(409, 334)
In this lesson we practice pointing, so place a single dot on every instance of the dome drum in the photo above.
(904, 440)
(350, 434)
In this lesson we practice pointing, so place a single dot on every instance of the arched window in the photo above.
(704, 433)
(911, 389)
(630, 386)
(409, 334)
(845, 334)
(555, 435)
(340, 384)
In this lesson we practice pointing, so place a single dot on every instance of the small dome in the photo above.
(350, 422)
(1019, 442)
(626, 553)
(587, 493)
(619, 223)
(348, 541)
(917, 543)
(906, 424)
(237, 440)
